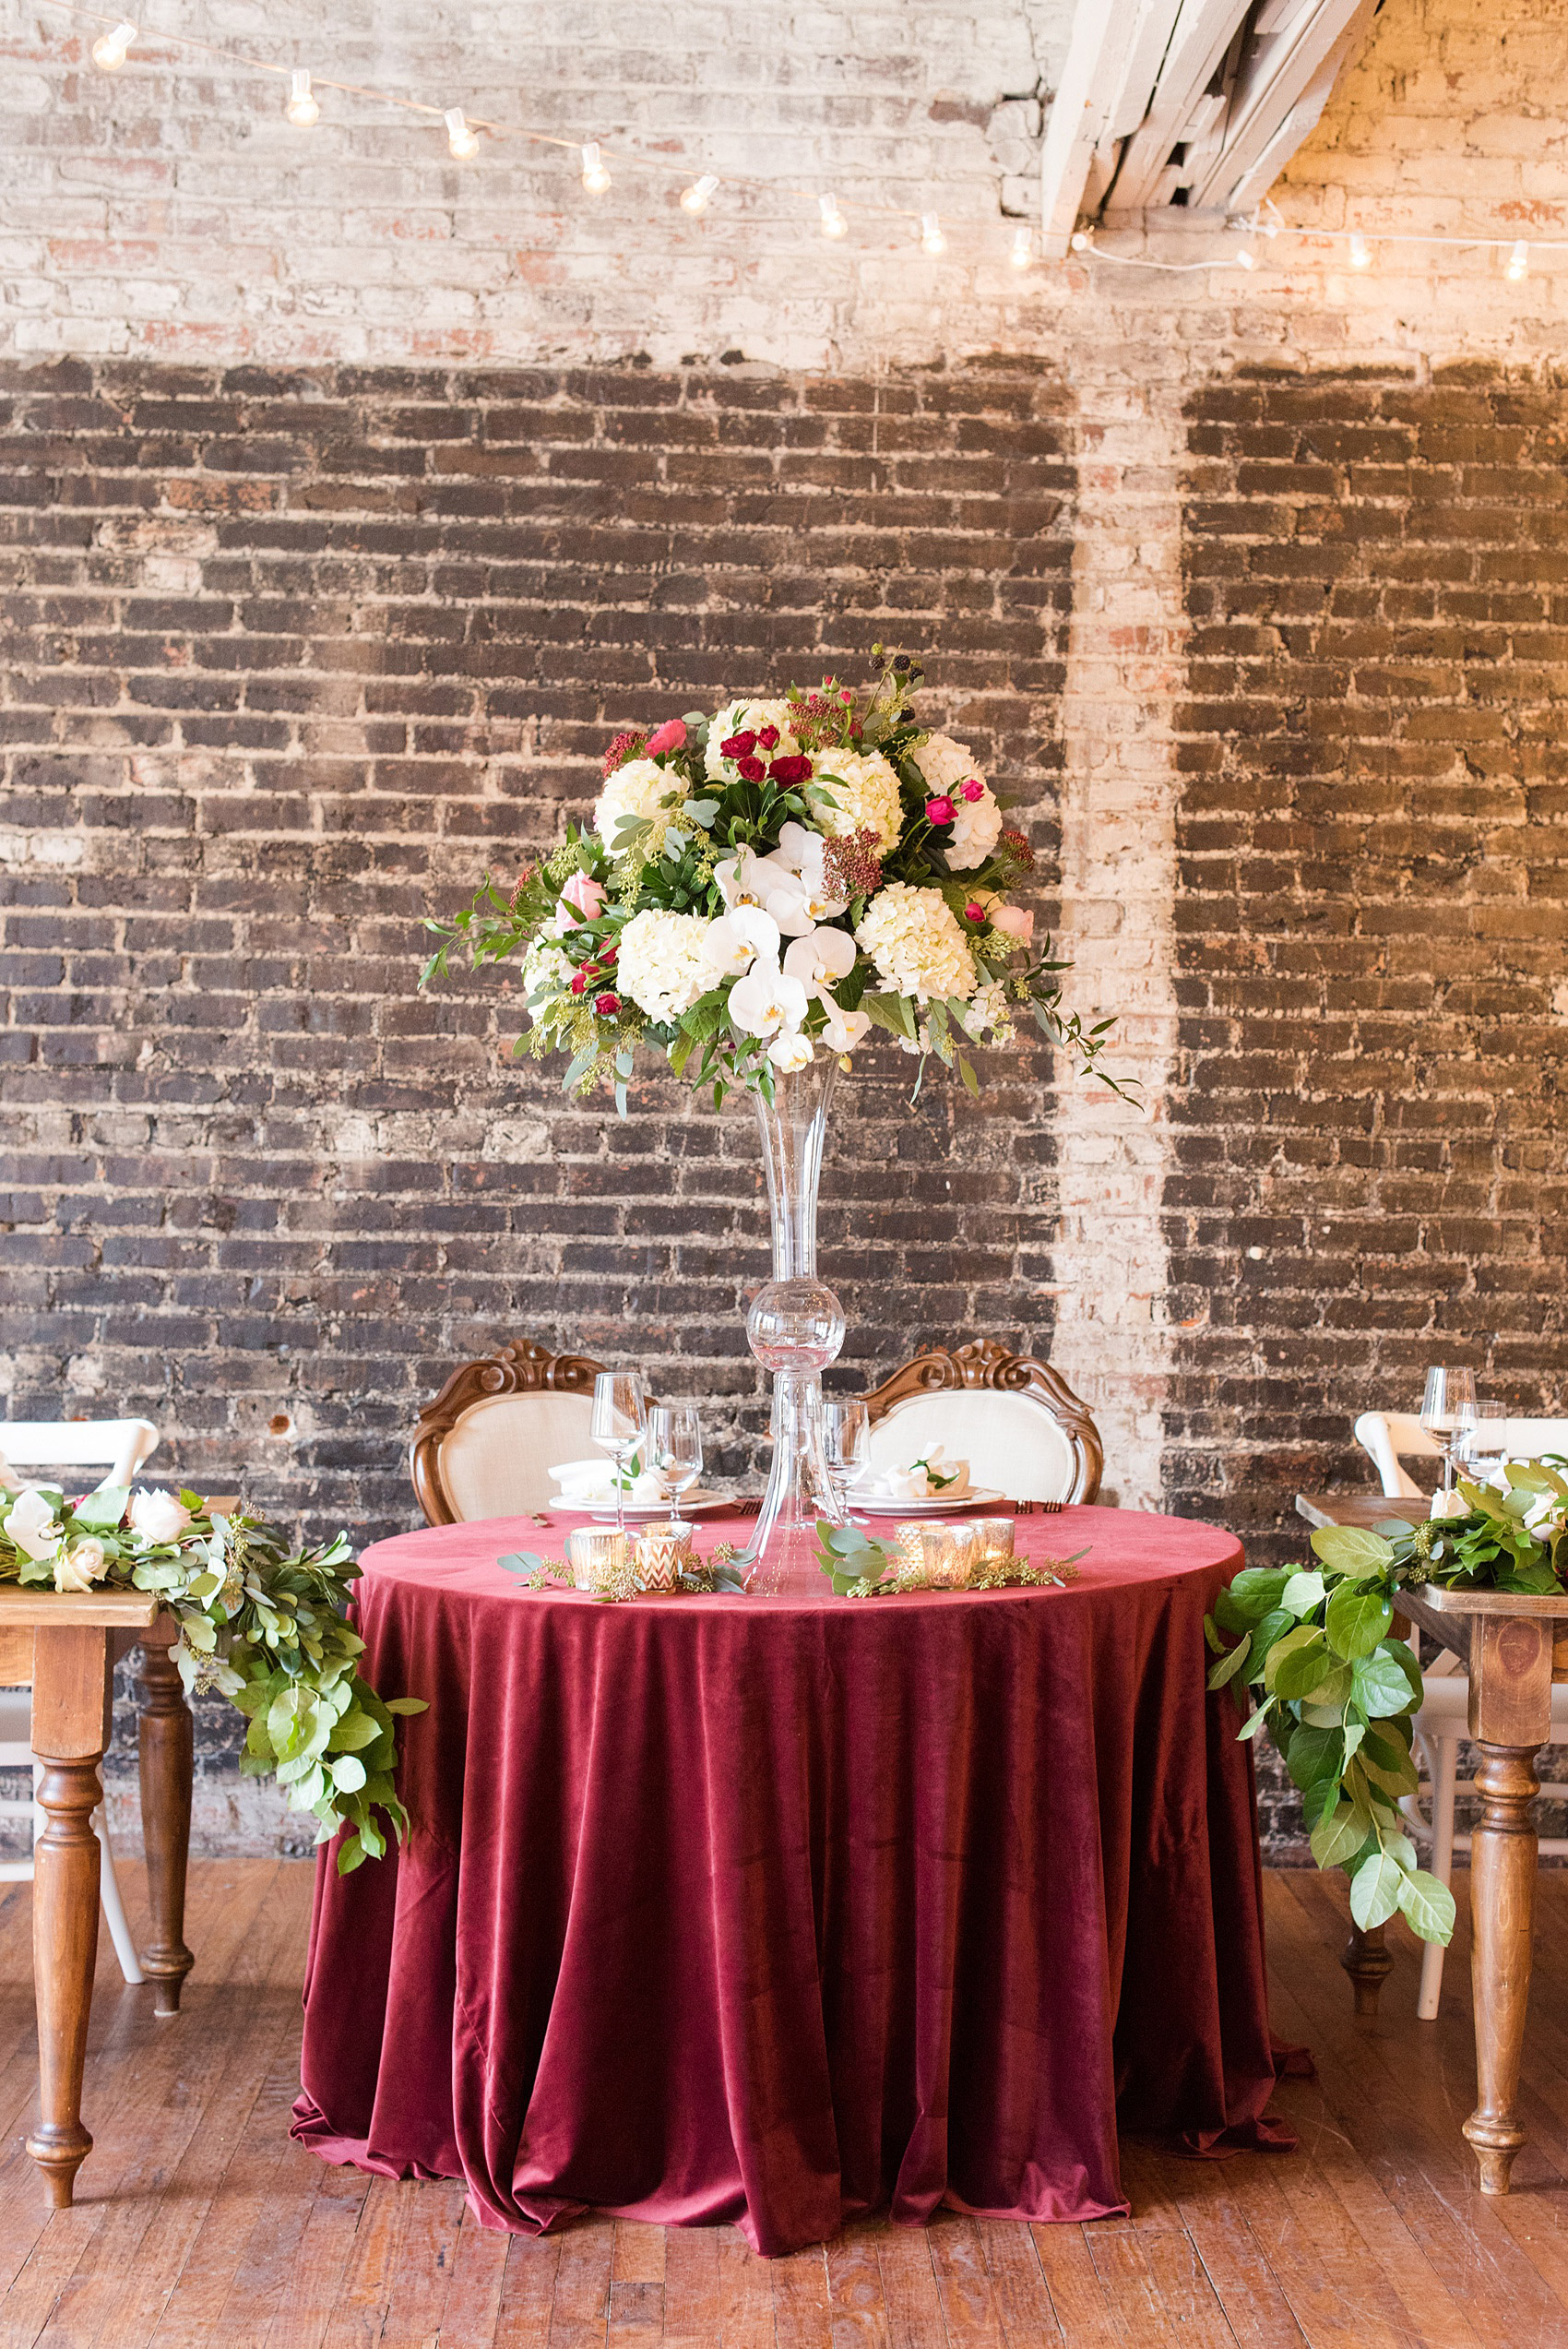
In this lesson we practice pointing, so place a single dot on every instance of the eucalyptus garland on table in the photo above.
(1337, 1693)
(261, 1623)
(859, 1568)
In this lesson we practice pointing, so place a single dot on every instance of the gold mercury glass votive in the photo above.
(660, 1554)
(994, 1536)
(938, 1557)
(597, 1556)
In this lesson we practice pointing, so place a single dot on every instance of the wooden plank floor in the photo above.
(200, 2226)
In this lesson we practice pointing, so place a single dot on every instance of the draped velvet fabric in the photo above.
(775, 1911)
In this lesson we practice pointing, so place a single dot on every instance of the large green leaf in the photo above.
(1341, 1835)
(1350, 1551)
(1297, 1663)
(1257, 1588)
(1355, 1620)
(1302, 1592)
(1427, 1906)
(1374, 1891)
(1314, 1754)
(1230, 1665)
(103, 1509)
(1381, 1687)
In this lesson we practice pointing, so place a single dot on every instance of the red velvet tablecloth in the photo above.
(774, 1911)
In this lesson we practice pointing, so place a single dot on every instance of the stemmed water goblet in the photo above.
(1448, 1412)
(1483, 1446)
(847, 1435)
(619, 1423)
(675, 1440)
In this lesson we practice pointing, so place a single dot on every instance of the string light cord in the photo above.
(462, 124)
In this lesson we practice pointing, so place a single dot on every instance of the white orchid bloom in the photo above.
(732, 943)
(790, 903)
(740, 880)
(820, 955)
(32, 1525)
(790, 1051)
(803, 852)
(767, 999)
(842, 1030)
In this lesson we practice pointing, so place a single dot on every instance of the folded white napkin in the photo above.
(590, 1483)
(933, 1478)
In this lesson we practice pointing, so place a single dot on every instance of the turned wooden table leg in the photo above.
(70, 1729)
(1369, 1963)
(167, 1759)
(1503, 1888)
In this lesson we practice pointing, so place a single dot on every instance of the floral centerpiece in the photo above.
(758, 892)
(1337, 1692)
(261, 1623)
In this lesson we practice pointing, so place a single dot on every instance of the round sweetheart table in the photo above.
(777, 1910)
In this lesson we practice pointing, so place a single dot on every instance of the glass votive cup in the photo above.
(597, 1557)
(937, 1557)
(995, 1538)
(661, 1554)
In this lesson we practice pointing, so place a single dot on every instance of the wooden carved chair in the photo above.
(1017, 1423)
(485, 1447)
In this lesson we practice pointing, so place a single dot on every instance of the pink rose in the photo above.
(585, 895)
(974, 912)
(1014, 921)
(939, 811)
(671, 735)
(973, 789)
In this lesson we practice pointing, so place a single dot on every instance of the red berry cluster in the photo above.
(1017, 849)
(743, 747)
(852, 866)
(624, 746)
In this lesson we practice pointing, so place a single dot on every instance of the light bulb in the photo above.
(1360, 252)
(463, 142)
(595, 179)
(833, 220)
(1023, 251)
(108, 50)
(1518, 261)
(300, 106)
(694, 198)
(1081, 243)
(1242, 258)
(932, 237)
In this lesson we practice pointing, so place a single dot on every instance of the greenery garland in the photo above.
(1336, 1694)
(261, 1623)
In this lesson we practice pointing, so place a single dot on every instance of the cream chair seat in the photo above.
(1390, 1437)
(1017, 1423)
(118, 1446)
(485, 1447)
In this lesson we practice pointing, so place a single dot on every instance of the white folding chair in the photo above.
(119, 1447)
(1390, 1437)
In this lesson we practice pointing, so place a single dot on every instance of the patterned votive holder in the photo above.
(598, 1558)
(661, 1554)
(937, 1557)
(994, 1537)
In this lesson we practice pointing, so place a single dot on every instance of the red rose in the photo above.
(607, 1005)
(750, 768)
(973, 912)
(792, 770)
(579, 981)
(607, 954)
(939, 811)
(738, 746)
(770, 738)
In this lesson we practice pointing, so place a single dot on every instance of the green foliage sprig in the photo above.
(260, 1622)
(859, 1568)
(1337, 1693)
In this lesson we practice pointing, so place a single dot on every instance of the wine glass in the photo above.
(1483, 1446)
(1448, 1409)
(846, 1434)
(675, 1440)
(620, 1418)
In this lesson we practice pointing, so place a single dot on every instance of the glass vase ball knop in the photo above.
(795, 1328)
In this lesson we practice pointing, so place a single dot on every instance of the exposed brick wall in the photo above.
(1368, 1108)
(289, 659)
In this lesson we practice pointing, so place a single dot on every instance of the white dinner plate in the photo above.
(696, 1502)
(934, 1506)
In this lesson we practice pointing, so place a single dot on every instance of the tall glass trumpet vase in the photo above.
(795, 1328)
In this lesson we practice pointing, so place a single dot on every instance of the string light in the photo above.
(833, 220)
(1518, 261)
(1023, 251)
(109, 51)
(596, 178)
(461, 138)
(1242, 258)
(1360, 252)
(301, 108)
(694, 198)
(931, 239)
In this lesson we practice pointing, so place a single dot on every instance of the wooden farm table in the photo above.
(68, 1646)
(1513, 1649)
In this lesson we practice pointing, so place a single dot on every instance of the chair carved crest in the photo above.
(520, 1368)
(987, 1363)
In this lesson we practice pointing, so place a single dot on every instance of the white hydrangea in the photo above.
(977, 823)
(751, 717)
(866, 791)
(913, 937)
(634, 789)
(661, 965)
(988, 1018)
(546, 965)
